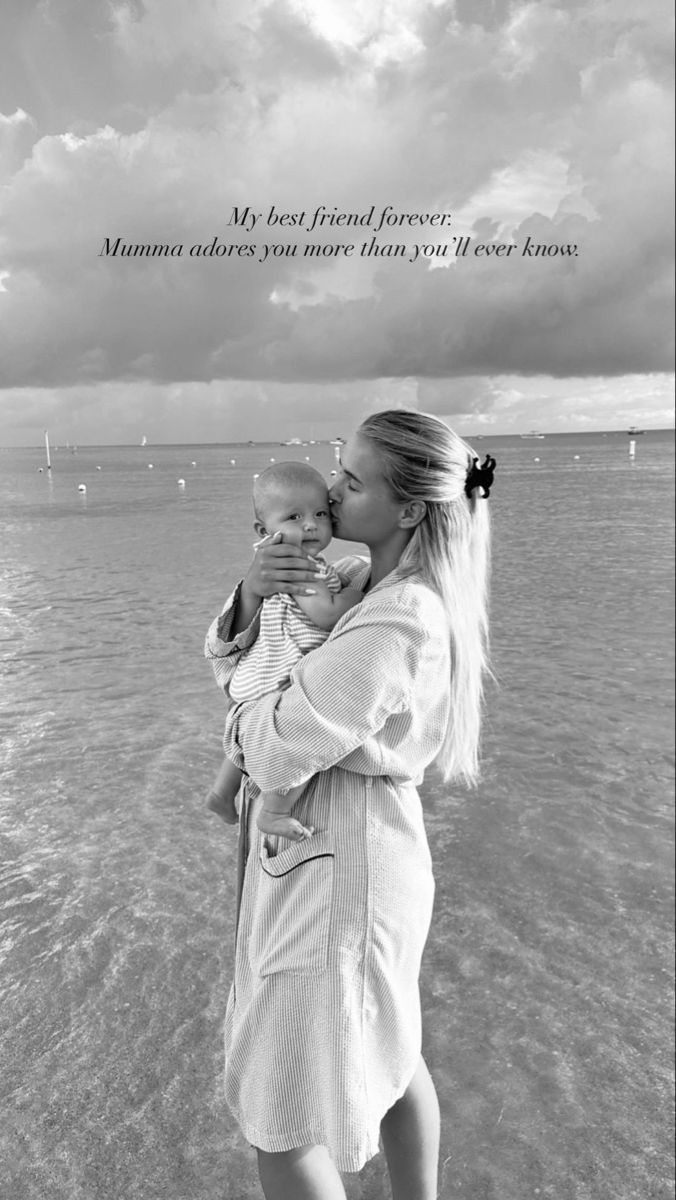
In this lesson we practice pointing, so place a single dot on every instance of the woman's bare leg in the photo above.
(304, 1174)
(410, 1133)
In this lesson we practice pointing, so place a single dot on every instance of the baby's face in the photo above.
(301, 514)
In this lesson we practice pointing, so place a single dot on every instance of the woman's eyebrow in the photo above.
(346, 472)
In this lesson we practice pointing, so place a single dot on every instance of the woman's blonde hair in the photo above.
(450, 551)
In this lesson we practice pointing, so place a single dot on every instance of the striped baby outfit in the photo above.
(323, 1024)
(286, 633)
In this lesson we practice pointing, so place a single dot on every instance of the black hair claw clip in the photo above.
(480, 477)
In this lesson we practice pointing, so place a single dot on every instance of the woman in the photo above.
(323, 1023)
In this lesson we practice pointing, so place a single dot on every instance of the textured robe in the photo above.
(323, 1027)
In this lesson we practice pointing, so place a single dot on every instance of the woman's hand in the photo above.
(278, 567)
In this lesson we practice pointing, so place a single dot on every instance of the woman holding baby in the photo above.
(323, 1026)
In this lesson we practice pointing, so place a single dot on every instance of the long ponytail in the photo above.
(449, 551)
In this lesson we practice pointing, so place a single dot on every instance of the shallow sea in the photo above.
(546, 983)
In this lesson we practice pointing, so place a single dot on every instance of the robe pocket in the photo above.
(292, 911)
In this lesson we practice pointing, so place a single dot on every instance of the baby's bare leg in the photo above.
(275, 817)
(221, 797)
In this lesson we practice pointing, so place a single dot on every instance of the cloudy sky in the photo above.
(152, 120)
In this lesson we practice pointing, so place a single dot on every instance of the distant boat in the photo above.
(144, 440)
(293, 442)
(533, 434)
(339, 441)
(633, 431)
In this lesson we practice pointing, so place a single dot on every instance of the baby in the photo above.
(291, 499)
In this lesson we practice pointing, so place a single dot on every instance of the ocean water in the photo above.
(546, 981)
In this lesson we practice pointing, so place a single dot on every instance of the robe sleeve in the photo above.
(339, 696)
(223, 651)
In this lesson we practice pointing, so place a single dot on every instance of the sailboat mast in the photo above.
(49, 462)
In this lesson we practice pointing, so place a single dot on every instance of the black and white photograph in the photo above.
(336, 600)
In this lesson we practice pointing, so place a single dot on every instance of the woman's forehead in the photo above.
(360, 459)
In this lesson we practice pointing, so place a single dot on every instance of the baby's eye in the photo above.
(323, 512)
(293, 517)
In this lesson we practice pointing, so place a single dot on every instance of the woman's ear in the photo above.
(260, 529)
(412, 513)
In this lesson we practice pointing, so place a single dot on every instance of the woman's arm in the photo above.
(339, 696)
(223, 647)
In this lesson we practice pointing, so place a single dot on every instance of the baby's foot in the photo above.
(283, 826)
(223, 806)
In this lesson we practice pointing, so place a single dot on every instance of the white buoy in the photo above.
(181, 483)
(98, 468)
(39, 470)
(272, 460)
(150, 466)
(333, 473)
(576, 457)
(193, 464)
(82, 487)
(632, 448)
(232, 462)
(536, 460)
(307, 457)
(256, 475)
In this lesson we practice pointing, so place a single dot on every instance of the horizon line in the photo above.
(477, 436)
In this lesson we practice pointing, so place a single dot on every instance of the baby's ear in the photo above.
(260, 529)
